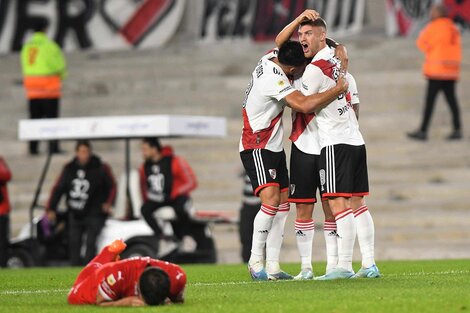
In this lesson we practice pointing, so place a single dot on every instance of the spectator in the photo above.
(90, 188)
(440, 43)
(5, 176)
(166, 180)
(44, 69)
(248, 211)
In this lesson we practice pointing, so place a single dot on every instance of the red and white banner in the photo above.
(407, 17)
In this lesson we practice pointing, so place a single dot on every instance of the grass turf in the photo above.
(408, 286)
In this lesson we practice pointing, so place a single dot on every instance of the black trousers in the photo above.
(448, 87)
(79, 226)
(181, 227)
(4, 239)
(43, 108)
(247, 217)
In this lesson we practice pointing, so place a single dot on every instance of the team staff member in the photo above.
(165, 180)
(441, 45)
(262, 153)
(90, 189)
(5, 177)
(44, 69)
(138, 281)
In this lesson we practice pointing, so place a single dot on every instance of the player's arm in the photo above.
(127, 301)
(354, 94)
(315, 102)
(293, 26)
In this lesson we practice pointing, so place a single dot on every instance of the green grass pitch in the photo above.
(408, 286)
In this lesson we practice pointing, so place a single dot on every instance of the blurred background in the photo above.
(131, 57)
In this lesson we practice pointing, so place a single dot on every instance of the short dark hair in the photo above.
(40, 25)
(153, 142)
(319, 22)
(82, 142)
(154, 285)
(291, 54)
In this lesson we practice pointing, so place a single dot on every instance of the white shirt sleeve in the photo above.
(353, 89)
(275, 85)
(312, 80)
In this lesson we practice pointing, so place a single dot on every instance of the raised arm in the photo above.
(289, 30)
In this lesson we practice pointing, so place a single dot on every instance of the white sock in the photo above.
(304, 231)
(261, 227)
(365, 235)
(346, 228)
(275, 237)
(331, 239)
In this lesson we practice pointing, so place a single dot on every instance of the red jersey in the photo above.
(120, 279)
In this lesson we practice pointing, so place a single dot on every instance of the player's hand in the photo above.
(342, 84)
(136, 301)
(342, 54)
(307, 15)
(107, 209)
(51, 216)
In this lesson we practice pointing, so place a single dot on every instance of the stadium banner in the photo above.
(262, 20)
(95, 24)
(124, 24)
(407, 17)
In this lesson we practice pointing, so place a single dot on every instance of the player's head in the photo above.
(154, 285)
(437, 10)
(291, 58)
(40, 25)
(83, 151)
(151, 148)
(312, 36)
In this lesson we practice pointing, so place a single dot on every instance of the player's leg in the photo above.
(336, 185)
(364, 221)
(258, 164)
(304, 181)
(331, 237)
(276, 234)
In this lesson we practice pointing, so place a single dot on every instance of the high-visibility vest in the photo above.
(43, 67)
(440, 43)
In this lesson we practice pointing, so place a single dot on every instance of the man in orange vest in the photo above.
(440, 43)
(44, 69)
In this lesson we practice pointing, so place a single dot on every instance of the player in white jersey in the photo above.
(261, 150)
(304, 171)
(343, 164)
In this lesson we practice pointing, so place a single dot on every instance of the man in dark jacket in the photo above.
(90, 189)
(5, 176)
(165, 180)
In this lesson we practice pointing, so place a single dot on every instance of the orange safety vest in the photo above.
(440, 43)
(42, 87)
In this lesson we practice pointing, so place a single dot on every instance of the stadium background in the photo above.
(197, 60)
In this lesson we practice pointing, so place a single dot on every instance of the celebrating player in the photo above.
(261, 147)
(132, 282)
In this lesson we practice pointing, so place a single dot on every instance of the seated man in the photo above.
(137, 281)
(165, 180)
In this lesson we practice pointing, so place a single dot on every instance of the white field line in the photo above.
(235, 283)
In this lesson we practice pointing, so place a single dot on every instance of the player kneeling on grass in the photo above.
(138, 281)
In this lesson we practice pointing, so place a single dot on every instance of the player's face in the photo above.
(310, 38)
(83, 155)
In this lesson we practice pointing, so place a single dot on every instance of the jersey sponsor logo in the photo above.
(111, 280)
(285, 89)
(259, 70)
(179, 276)
(292, 189)
(304, 86)
(272, 173)
(343, 110)
(265, 231)
(247, 92)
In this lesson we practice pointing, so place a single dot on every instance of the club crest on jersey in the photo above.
(280, 83)
(292, 189)
(272, 173)
(111, 280)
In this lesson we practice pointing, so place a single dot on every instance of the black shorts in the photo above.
(343, 171)
(304, 177)
(265, 168)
